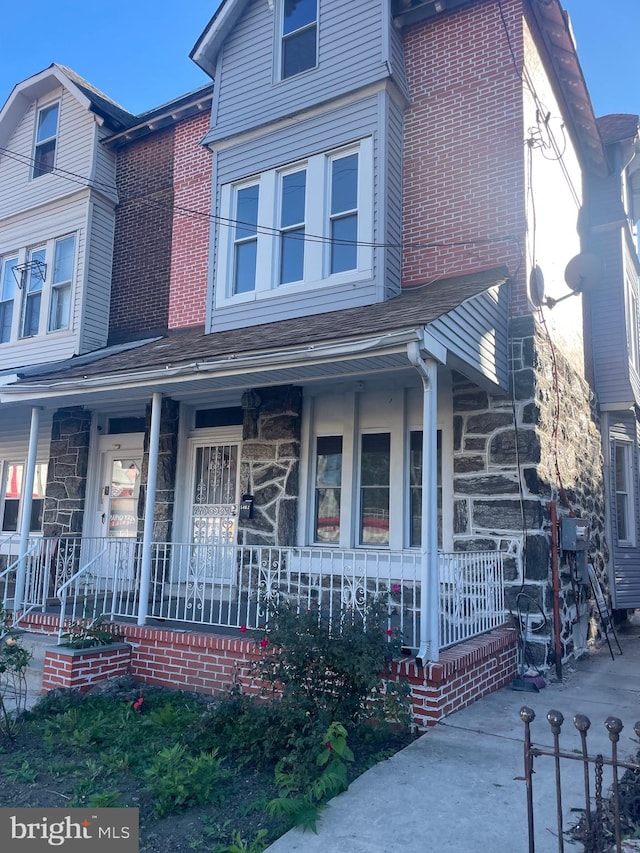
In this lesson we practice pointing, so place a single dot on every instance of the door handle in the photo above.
(104, 515)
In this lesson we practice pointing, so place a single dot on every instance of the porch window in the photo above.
(328, 489)
(415, 487)
(375, 481)
(11, 509)
(625, 528)
(46, 136)
(299, 36)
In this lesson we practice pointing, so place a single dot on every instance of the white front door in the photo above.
(111, 545)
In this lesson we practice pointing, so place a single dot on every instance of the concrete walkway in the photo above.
(459, 788)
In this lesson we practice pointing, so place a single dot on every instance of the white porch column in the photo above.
(27, 499)
(149, 504)
(429, 649)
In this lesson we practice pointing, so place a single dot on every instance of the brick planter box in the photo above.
(82, 668)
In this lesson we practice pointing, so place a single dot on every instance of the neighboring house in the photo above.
(614, 209)
(365, 388)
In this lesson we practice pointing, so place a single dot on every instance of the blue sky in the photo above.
(137, 52)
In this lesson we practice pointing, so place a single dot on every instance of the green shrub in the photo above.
(177, 780)
(332, 672)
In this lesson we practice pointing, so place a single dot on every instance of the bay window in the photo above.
(305, 224)
(36, 288)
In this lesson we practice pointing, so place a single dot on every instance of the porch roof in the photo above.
(472, 334)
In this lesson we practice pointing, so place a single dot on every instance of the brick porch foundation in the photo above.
(212, 664)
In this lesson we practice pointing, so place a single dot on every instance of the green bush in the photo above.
(177, 780)
(332, 672)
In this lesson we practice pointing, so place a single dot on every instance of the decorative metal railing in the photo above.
(234, 586)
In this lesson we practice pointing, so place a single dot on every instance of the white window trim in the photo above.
(628, 448)
(278, 53)
(317, 251)
(4, 471)
(37, 144)
(19, 302)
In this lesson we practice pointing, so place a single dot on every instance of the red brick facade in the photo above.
(191, 224)
(212, 664)
(142, 242)
(463, 186)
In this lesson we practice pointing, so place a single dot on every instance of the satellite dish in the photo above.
(536, 286)
(584, 272)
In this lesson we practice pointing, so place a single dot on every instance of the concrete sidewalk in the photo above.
(460, 789)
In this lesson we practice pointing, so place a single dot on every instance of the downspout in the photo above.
(149, 505)
(429, 648)
(27, 500)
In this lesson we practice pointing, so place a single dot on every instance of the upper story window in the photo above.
(46, 136)
(36, 285)
(7, 297)
(299, 45)
(300, 226)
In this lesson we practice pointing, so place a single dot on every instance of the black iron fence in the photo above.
(610, 812)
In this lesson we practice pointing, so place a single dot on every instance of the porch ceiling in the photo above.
(354, 342)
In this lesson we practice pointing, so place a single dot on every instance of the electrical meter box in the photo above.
(574, 534)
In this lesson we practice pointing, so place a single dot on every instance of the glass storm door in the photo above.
(120, 496)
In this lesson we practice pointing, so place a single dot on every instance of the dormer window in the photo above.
(299, 36)
(46, 136)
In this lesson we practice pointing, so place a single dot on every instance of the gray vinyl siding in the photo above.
(97, 290)
(324, 132)
(104, 176)
(625, 558)
(475, 335)
(609, 339)
(74, 154)
(396, 58)
(16, 425)
(68, 216)
(390, 210)
(351, 55)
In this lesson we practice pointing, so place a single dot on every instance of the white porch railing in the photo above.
(232, 586)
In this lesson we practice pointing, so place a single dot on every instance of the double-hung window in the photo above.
(46, 136)
(344, 213)
(292, 217)
(299, 47)
(623, 474)
(245, 243)
(304, 225)
(61, 281)
(13, 494)
(32, 283)
(415, 487)
(36, 287)
(8, 288)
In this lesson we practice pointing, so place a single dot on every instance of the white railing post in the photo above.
(27, 500)
(429, 649)
(149, 504)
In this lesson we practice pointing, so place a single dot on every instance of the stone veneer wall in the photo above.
(167, 460)
(67, 472)
(269, 468)
(504, 479)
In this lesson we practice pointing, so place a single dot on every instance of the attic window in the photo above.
(46, 136)
(299, 36)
